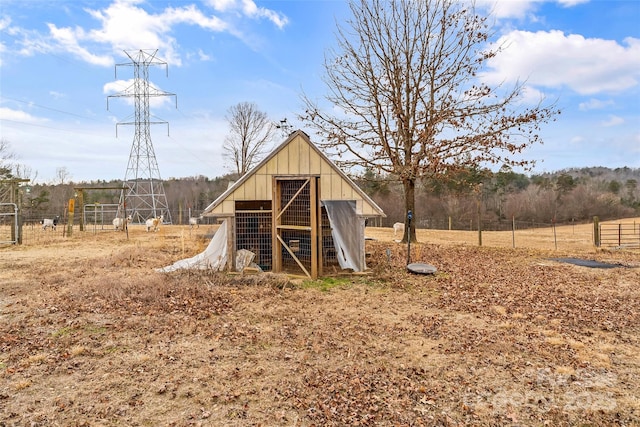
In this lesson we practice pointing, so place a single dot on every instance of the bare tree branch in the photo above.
(250, 133)
(404, 81)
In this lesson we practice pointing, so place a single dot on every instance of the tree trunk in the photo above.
(409, 185)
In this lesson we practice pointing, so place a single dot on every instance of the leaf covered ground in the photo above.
(91, 335)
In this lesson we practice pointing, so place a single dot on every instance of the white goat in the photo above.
(48, 222)
(398, 227)
(194, 221)
(154, 223)
(119, 223)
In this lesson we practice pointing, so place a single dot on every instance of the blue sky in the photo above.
(57, 67)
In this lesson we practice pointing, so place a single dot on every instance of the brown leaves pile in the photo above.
(496, 336)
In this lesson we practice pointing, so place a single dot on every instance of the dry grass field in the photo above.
(92, 335)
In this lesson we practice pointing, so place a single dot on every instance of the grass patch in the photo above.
(63, 331)
(95, 330)
(326, 283)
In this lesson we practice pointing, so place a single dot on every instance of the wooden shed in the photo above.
(297, 212)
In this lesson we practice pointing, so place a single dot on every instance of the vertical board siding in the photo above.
(294, 157)
(303, 157)
(262, 190)
(298, 157)
(228, 206)
(315, 163)
(271, 168)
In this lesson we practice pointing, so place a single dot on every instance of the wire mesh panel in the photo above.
(99, 217)
(299, 242)
(295, 201)
(253, 233)
(296, 218)
(329, 258)
(295, 204)
(8, 223)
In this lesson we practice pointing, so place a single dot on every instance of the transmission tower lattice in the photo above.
(143, 195)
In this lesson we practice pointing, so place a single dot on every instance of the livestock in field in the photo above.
(195, 221)
(119, 223)
(154, 223)
(50, 222)
(398, 227)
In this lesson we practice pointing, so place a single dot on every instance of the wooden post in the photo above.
(320, 237)
(72, 203)
(314, 220)
(480, 214)
(14, 199)
(409, 218)
(619, 235)
(276, 247)
(596, 231)
(81, 206)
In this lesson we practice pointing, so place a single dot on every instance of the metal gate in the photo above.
(296, 221)
(620, 235)
(99, 216)
(9, 229)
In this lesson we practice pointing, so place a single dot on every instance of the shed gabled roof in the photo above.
(297, 155)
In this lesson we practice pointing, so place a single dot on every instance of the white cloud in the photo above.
(531, 95)
(594, 104)
(125, 26)
(19, 116)
(613, 121)
(250, 9)
(68, 39)
(508, 8)
(571, 3)
(520, 9)
(124, 91)
(553, 59)
(203, 56)
(222, 5)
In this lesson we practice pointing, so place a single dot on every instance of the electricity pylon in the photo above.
(143, 195)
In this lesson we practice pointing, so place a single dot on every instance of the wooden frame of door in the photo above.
(313, 228)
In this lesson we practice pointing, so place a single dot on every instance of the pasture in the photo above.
(91, 335)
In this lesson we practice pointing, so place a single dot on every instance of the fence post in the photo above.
(596, 231)
(619, 235)
(81, 208)
(513, 231)
(72, 203)
(479, 214)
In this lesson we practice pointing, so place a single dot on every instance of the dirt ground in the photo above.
(92, 335)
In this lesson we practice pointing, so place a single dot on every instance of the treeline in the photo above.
(456, 200)
(185, 196)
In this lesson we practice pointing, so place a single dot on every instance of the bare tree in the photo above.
(62, 175)
(6, 158)
(250, 133)
(404, 79)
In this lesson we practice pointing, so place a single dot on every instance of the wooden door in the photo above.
(296, 213)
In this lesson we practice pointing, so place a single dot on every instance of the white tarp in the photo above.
(214, 256)
(347, 230)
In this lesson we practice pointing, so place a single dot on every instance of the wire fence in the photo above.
(573, 234)
(30, 229)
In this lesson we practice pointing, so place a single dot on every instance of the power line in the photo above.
(47, 108)
(145, 194)
(48, 127)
